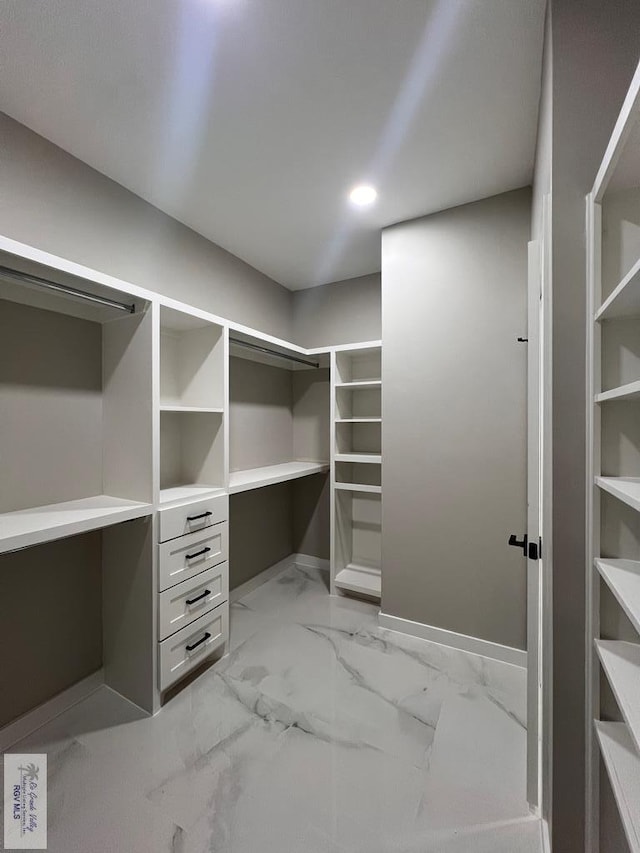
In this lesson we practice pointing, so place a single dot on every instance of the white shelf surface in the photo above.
(361, 384)
(362, 579)
(358, 420)
(181, 494)
(35, 525)
(359, 487)
(171, 407)
(631, 391)
(626, 489)
(624, 301)
(269, 475)
(621, 663)
(623, 766)
(623, 579)
(373, 458)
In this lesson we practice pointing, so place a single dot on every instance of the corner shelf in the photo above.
(269, 475)
(624, 301)
(36, 525)
(623, 767)
(630, 391)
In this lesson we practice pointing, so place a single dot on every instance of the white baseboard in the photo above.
(546, 837)
(310, 562)
(462, 642)
(32, 720)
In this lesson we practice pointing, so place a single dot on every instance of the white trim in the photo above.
(462, 642)
(37, 717)
(310, 562)
(546, 837)
(262, 577)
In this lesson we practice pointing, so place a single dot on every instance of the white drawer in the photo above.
(183, 558)
(196, 515)
(182, 604)
(189, 647)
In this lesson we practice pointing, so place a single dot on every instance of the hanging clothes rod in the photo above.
(65, 289)
(273, 352)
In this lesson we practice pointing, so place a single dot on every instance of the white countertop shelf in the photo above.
(358, 420)
(361, 579)
(171, 407)
(631, 391)
(360, 384)
(623, 766)
(372, 458)
(35, 525)
(359, 487)
(623, 579)
(184, 494)
(624, 301)
(269, 475)
(626, 489)
(621, 663)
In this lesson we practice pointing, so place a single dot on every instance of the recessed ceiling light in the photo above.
(363, 195)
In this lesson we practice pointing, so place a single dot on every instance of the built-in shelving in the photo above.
(626, 489)
(623, 767)
(356, 503)
(362, 458)
(613, 541)
(33, 526)
(621, 663)
(187, 409)
(359, 487)
(359, 579)
(183, 494)
(623, 579)
(269, 475)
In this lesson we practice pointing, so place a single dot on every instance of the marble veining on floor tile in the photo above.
(319, 733)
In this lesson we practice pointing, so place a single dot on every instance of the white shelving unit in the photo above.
(356, 457)
(613, 544)
(269, 475)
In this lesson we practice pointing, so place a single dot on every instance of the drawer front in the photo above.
(183, 558)
(185, 650)
(183, 604)
(192, 517)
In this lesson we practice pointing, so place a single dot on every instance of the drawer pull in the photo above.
(199, 597)
(197, 554)
(197, 517)
(206, 637)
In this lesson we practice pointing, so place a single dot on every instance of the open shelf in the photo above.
(359, 368)
(204, 409)
(269, 475)
(361, 579)
(623, 579)
(360, 385)
(626, 489)
(621, 662)
(359, 487)
(358, 420)
(180, 494)
(630, 391)
(372, 459)
(191, 363)
(191, 450)
(624, 301)
(33, 526)
(623, 767)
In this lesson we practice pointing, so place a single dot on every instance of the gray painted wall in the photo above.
(595, 47)
(51, 200)
(454, 418)
(344, 312)
(58, 627)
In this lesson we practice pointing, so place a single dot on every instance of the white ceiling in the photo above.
(249, 120)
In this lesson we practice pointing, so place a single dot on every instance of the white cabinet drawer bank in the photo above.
(193, 584)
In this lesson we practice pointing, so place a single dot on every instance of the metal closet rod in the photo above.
(273, 352)
(65, 289)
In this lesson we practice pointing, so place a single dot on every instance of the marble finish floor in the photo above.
(318, 733)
